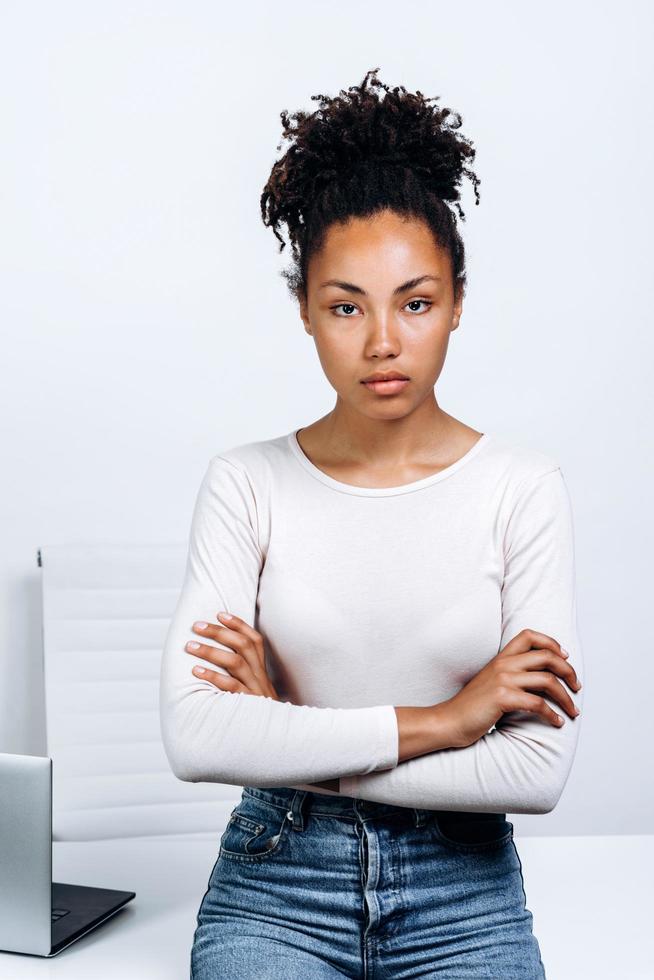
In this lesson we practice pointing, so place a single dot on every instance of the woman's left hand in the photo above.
(246, 665)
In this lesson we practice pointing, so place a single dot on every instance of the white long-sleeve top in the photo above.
(369, 598)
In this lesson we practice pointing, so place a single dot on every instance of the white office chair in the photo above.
(106, 611)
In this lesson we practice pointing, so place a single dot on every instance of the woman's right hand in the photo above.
(530, 662)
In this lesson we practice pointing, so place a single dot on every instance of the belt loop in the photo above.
(420, 816)
(296, 813)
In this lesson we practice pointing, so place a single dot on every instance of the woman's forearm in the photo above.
(421, 730)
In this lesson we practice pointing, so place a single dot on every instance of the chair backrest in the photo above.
(106, 611)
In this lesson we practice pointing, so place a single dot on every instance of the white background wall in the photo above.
(145, 326)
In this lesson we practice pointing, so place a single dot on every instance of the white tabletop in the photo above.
(590, 898)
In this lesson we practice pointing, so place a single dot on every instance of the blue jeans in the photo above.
(313, 887)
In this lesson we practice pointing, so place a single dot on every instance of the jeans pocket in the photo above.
(463, 831)
(255, 831)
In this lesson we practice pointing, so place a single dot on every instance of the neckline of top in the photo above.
(426, 481)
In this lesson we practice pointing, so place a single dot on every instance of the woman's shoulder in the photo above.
(243, 476)
(518, 462)
(257, 461)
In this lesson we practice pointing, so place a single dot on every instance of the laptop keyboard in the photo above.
(58, 913)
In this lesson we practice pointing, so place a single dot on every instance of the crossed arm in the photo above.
(228, 736)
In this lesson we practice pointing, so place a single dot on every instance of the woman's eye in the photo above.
(427, 302)
(351, 306)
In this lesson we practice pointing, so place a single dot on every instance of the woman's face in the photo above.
(381, 298)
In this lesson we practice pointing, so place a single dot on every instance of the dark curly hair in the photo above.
(359, 154)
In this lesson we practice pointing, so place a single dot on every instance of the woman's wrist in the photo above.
(423, 730)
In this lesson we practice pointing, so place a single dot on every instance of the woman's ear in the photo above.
(458, 307)
(304, 315)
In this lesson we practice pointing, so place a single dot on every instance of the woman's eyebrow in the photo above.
(350, 287)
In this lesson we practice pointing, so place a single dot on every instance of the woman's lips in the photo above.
(387, 387)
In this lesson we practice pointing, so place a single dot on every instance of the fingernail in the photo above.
(198, 670)
(564, 652)
(192, 646)
(223, 615)
(200, 626)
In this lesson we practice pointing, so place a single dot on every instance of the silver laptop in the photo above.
(38, 915)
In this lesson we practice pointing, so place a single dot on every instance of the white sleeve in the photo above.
(522, 765)
(241, 739)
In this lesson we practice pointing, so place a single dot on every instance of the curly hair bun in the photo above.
(358, 153)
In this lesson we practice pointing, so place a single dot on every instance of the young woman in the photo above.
(376, 636)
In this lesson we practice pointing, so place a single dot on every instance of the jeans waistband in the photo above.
(301, 802)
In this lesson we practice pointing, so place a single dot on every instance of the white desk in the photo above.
(591, 898)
